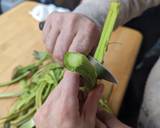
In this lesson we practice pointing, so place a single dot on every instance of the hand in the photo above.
(69, 32)
(62, 110)
(107, 120)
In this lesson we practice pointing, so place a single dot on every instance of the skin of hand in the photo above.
(69, 32)
(109, 120)
(62, 109)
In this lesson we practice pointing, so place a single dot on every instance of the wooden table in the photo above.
(19, 36)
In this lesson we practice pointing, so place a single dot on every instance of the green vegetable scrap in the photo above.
(20, 72)
(36, 87)
(15, 80)
(43, 77)
(77, 62)
(11, 94)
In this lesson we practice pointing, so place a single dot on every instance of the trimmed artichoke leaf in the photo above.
(29, 124)
(20, 71)
(39, 55)
(8, 83)
(10, 94)
(77, 62)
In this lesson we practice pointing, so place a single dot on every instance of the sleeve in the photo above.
(96, 10)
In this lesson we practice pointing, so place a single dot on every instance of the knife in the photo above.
(108, 27)
(97, 60)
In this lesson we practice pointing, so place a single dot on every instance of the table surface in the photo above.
(20, 35)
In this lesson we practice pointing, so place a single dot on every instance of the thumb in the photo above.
(110, 120)
(90, 106)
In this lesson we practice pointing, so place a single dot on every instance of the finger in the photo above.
(90, 106)
(66, 90)
(46, 30)
(70, 84)
(38, 120)
(110, 120)
(51, 39)
(69, 96)
(62, 44)
(115, 123)
(103, 115)
(81, 44)
(100, 124)
(84, 42)
(53, 96)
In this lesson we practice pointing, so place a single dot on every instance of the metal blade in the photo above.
(102, 72)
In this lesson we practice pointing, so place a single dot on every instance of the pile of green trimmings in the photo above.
(37, 80)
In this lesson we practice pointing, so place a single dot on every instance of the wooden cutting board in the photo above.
(19, 36)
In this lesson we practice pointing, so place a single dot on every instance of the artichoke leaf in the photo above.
(77, 62)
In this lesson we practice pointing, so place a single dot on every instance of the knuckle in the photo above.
(92, 27)
(49, 49)
(72, 21)
(54, 18)
(58, 18)
(49, 17)
(58, 55)
(73, 16)
(80, 47)
(47, 45)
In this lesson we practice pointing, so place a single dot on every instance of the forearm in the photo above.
(97, 9)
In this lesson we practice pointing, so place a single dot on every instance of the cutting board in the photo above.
(19, 36)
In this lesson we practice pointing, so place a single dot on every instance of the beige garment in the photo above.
(150, 110)
(97, 9)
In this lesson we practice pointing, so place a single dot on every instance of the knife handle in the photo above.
(41, 25)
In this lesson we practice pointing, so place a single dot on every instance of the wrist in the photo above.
(96, 11)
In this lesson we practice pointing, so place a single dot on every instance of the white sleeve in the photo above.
(97, 9)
